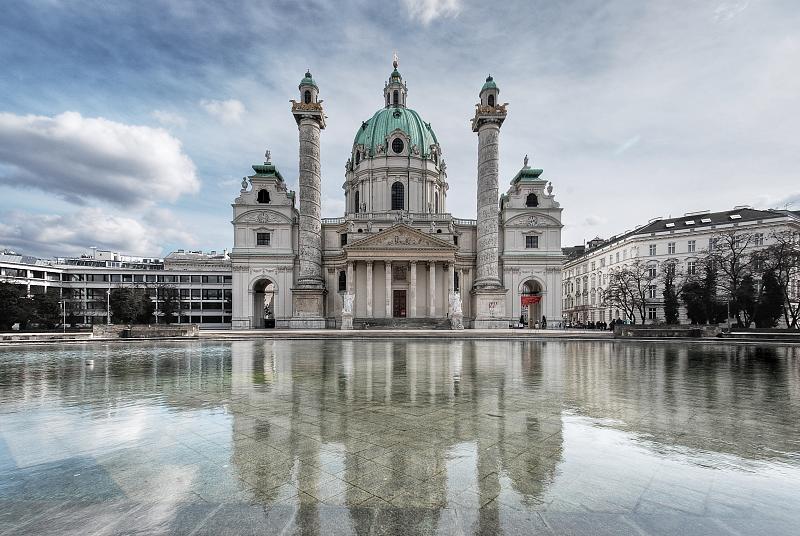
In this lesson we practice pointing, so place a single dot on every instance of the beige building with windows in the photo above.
(397, 257)
(685, 240)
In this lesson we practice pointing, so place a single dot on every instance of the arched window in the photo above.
(456, 282)
(358, 206)
(307, 97)
(358, 157)
(436, 203)
(491, 100)
(397, 145)
(532, 201)
(342, 281)
(387, 100)
(398, 196)
(396, 97)
(263, 196)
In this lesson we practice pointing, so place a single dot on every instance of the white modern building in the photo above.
(203, 281)
(398, 256)
(685, 240)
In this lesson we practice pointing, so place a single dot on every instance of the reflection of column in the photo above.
(412, 291)
(432, 289)
(369, 289)
(388, 289)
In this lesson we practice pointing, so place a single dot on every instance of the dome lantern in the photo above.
(395, 90)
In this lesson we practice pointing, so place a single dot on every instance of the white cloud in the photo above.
(228, 111)
(427, 10)
(81, 158)
(74, 233)
(169, 118)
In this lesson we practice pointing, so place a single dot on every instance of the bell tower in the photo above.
(309, 293)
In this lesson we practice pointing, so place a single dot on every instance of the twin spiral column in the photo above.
(308, 296)
(488, 294)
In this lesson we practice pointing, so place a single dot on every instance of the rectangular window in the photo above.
(651, 272)
(186, 279)
(690, 246)
(691, 268)
(196, 279)
(652, 249)
(184, 293)
(195, 293)
(651, 313)
(593, 266)
(671, 248)
(758, 239)
(602, 262)
(262, 239)
(617, 256)
(343, 239)
(531, 242)
(651, 292)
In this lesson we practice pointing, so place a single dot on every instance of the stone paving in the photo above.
(393, 437)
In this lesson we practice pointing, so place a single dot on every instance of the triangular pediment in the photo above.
(401, 237)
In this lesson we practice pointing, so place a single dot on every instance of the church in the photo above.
(397, 258)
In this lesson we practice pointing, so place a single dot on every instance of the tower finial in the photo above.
(525, 161)
(267, 156)
(395, 59)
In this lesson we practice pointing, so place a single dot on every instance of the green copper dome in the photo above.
(307, 80)
(374, 131)
(489, 84)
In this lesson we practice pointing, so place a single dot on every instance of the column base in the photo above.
(240, 323)
(308, 308)
(489, 305)
(347, 321)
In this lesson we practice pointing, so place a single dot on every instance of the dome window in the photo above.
(396, 97)
(398, 196)
(491, 100)
(532, 201)
(436, 203)
(398, 145)
(307, 97)
(357, 206)
(263, 196)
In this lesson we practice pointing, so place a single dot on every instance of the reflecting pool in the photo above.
(387, 437)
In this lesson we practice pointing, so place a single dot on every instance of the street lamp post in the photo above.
(108, 307)
(63, 316)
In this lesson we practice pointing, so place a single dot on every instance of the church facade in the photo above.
(397, 257)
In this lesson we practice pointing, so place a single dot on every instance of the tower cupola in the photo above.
(489, 93)
(395, 90)
(309, 91)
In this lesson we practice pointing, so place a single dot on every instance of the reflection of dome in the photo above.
(374, 131)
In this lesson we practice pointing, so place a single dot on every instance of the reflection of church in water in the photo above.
(416, 425)
(397, 257)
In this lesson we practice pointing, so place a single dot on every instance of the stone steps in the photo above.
(401, 323)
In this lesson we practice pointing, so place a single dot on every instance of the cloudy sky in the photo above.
(128, 125)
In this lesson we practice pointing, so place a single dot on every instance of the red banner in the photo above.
(531, 300)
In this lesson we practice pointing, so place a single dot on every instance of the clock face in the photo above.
(398, 145)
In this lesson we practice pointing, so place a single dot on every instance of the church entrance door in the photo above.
(399, 303)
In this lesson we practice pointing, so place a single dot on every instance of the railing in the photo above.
(396, 215)
(459, 221)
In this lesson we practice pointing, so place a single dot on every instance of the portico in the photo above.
(412, 279)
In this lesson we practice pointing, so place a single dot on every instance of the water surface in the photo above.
(355, 437)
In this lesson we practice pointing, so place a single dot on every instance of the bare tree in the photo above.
(782, 256)
(733, 258)
(628, 288)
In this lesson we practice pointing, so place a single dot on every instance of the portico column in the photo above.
(388, 289)
(412, 291)
(350, 276)
(451, 275)
(432, 289)
(369, 289)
